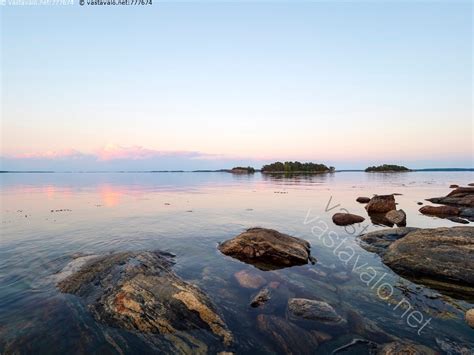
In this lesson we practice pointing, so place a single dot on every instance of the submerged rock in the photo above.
(344, 219)
(397, 217)
(440, 210)
(405, 348)
(139, 292)
(261, 298)
(286, 337)
(363, 199)
(381, 204)
(440, 257)
(267, 249)
(314, 310)
(248, 279)
(458, 220)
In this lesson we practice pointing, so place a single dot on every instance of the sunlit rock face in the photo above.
(267, 249)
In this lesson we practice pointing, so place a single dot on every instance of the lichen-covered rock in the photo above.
(138, 291)
(314, 310)
(405, 348)
(267, 249)
(381, 204)
(470, 317)
(345, 219)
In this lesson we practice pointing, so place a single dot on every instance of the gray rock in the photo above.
(379, 241)
(458, 220)
(267, 249)
(314, 310)
(442, 258)
(467, 212)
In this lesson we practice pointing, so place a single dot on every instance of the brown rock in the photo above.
(470, 317)
(247, 279)
(453, 186)
(267, 249)
(405, 348)
(381, 204)
(470, 184)
(363, 199)
(397, 217)
(440, 210)
(344, 219)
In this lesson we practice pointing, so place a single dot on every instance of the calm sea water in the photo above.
(47, 218)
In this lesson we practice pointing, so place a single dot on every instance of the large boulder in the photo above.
(440, 210)
(267, 249)
(344, 219)
(139, 292)
(440, 257)
(381, 204)
(314, 310)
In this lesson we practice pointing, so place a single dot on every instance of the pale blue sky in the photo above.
(347, 83)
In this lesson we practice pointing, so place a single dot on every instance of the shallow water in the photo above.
(48, 218)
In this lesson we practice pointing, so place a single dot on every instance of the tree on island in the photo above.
(386, 168)
(296, 167)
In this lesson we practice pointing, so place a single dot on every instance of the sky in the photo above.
(213, 84)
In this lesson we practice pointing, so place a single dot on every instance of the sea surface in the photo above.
(48, 218)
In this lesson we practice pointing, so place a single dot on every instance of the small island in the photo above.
(242, 170)
(386, 168)
(296, 167)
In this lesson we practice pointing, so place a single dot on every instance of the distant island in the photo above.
(386, 168)
(296, 167)
(242, 170)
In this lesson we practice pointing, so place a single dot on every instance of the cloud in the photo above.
(116, 152)
(116, 157)
(60, 154)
